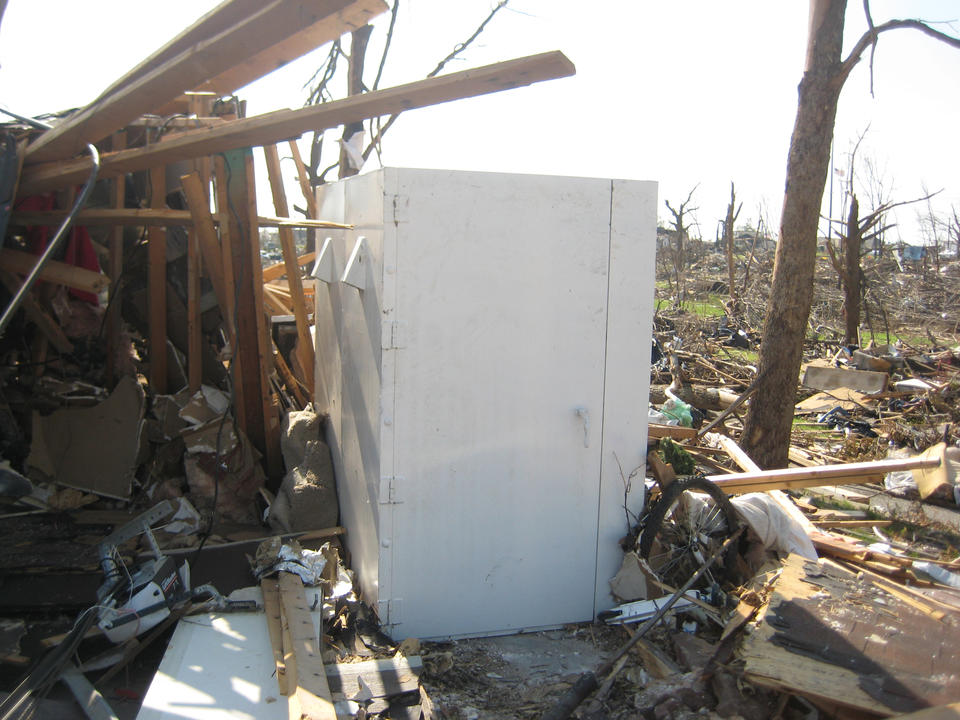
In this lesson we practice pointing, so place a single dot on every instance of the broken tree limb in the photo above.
(742, 398)
(588, 682)
(701, 397)
(284, 124)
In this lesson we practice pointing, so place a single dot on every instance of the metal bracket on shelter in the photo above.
(323, 266)
(355, 273)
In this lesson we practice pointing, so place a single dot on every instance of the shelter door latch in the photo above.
(584, 415)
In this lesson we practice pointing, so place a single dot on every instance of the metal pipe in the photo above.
(31, 278)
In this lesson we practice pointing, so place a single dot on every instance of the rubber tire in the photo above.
(692, 483)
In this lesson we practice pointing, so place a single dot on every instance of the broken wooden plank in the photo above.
(271, 608)
(761, 480)
(290, 260)
(674, 432)
(284, 124)
(381, 678)
(268, 25)
(309, 691)
(54, 271)
(354, 15)
(141, 217)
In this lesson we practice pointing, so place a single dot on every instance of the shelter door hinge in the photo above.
(401, 204)
(389, 490)
(393, 337)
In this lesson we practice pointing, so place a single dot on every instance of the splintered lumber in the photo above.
(308, 689)
(761, 480)
(274, 272)
(304, 179)
(53, 271)
(37, 315)
(199, 206)
(304, 340)
(284, 124)
(268, 25)
(145, 217)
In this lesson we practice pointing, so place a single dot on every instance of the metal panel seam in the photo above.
(603, 402)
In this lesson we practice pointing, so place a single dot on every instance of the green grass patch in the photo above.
(712, 306)
(917, 340)
(745, 357)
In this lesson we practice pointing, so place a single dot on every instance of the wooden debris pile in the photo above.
(152, 353)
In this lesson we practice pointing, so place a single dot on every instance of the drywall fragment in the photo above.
(630, 582)
(827, 378)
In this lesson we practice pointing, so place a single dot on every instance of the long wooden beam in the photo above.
(284, 124)
(762, 480)
(149, 216)
(287, 245)
(228, 14)
(269, 25)
(54, 271)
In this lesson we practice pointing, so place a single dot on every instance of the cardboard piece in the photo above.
(825, 401)
(92, 448)
(930, 479)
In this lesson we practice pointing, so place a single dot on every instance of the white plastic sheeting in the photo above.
(773, 525)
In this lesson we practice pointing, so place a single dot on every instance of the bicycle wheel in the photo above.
(691, 519)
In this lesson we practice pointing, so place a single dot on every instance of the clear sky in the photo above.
(682, 92)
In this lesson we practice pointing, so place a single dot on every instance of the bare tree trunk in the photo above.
(728, 241)
(767, 427)
(358, 51)
(851, 274)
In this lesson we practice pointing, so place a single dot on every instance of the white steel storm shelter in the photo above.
(483, 351)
